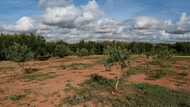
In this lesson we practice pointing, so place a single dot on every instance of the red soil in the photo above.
(48, 93)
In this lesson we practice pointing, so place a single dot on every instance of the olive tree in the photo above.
(165, 54)
(82, 52)
(62, 51)
(149, 55)
(116, 56)
(20, 54)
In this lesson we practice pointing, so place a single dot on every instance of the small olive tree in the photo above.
(163, 54)
(20, 54)
(116, 56)
(149, 56)
(62, 51)
(82, 52)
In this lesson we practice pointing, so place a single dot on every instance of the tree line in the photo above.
(21, 47)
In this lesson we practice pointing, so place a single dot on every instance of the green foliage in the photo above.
(76, 66)
(163, 97)
(116, 55)
(42, 49)
(62, 51)
(19, 53)
(37, 76)
(97, 81)
(182, 48)
(82, 52)
(158, 73)
(89, 90)
(164, 53)
(16, 97)
(136, 70)
(33, 43)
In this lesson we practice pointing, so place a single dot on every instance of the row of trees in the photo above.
(24, 47)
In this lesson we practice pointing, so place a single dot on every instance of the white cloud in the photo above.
(24, 24)
(144, 22)
(89, 13)
(71, 15)
(184, 19)
(54, 3)
(184, 23)
(61, 16)
(181, 27)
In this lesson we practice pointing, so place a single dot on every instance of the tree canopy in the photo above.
(22, 45)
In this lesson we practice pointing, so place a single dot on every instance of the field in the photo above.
(83, 82)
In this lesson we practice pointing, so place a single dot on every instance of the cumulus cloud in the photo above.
(184, 23)
(144, 22)
(24, 24)
(54, 3)
(147, 23)
(181, 27)
(63, 17)
(69, 16)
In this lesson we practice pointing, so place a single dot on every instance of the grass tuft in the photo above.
(38, 76)
(76, 66)
(159, 73)
(16, 97)
(99, 81)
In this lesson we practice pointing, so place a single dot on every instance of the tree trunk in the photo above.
(117, 84)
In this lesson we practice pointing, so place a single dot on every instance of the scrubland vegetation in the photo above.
(39, 73)
(25, 47)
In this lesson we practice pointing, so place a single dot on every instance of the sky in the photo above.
(75, 20)
(12, 10)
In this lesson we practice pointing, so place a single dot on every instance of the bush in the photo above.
(19, 53)
(164, 53)
(82, 52)
(62, 51)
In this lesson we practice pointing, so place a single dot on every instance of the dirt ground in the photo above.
(19, 90)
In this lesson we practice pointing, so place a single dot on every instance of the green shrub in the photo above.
(62, 51)
(82, 52)
(16, 97)
(159, 73)
(97, 80)
(37, 76)
(76, 66)
(136, 70)
(19, 53)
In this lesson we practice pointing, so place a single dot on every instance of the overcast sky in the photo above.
(74, 20)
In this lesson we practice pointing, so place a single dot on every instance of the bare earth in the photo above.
(49, 91)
